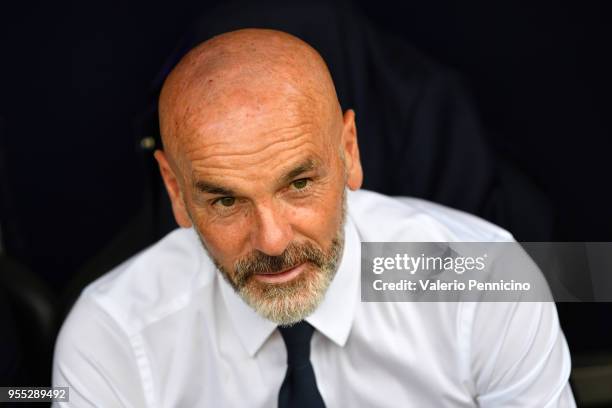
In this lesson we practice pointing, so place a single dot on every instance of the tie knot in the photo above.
(297, 340)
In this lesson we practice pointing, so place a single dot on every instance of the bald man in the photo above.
(255, 301)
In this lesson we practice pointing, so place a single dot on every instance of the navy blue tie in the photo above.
(299, 389)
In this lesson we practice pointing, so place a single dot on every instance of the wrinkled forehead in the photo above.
(245, 129)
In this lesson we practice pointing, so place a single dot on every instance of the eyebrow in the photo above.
(211, 188)
(305, 166)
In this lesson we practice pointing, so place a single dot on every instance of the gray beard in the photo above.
(288, 302)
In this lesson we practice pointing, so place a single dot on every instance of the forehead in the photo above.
(251, 134)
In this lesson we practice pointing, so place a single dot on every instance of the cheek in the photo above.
(321, 220)
(225, 243)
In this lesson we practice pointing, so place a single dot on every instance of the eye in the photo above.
(225, 201)
(300, 184)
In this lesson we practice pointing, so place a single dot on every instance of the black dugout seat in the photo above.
(28, 307)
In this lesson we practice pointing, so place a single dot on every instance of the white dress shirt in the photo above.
(164, 329)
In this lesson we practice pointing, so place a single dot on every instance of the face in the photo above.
(264, 187)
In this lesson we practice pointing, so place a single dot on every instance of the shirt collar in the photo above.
(334, 316)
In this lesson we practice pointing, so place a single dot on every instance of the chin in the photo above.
(288, 302)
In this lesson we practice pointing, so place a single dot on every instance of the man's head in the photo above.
(257, 156)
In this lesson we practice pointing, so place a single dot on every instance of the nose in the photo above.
(272, 232)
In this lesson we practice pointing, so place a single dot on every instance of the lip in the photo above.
(283, 276)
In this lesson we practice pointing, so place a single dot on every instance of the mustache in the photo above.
(294, 254)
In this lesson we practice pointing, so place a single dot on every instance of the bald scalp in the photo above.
(258, 68)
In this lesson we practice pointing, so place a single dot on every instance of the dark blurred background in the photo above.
(77, 81)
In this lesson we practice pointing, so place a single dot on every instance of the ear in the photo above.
(351, 151)
(181, 215)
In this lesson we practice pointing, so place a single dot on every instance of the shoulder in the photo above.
(153, 283)
(519, 354)
(96, 359)
(384, 218)
(100, 352)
